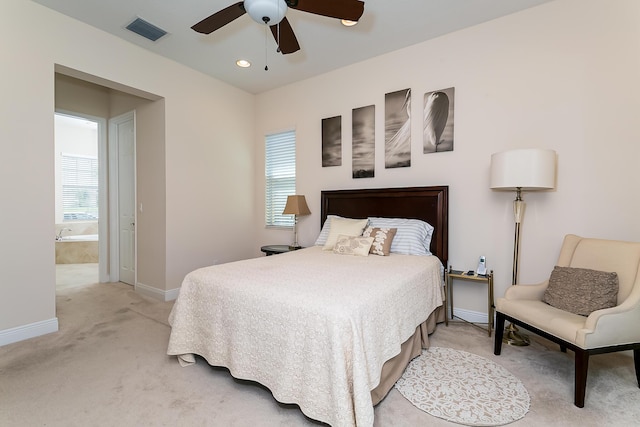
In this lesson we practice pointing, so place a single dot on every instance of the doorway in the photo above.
(80, 173)
(76, 91)
(95, 210)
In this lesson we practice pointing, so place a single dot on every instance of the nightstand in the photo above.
(276, 249)
(487, 279)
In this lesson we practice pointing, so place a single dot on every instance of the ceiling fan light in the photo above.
(268, 12)
(243, 63)
(348, 23)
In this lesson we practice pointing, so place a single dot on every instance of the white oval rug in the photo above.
(463, 388)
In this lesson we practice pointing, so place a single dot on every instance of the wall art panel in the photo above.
(332, 141)
(397, 117)
(438, 121)
(363, 142)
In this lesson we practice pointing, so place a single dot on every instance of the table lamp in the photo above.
(296, 206)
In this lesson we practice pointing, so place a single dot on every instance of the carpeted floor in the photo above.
(107, 366)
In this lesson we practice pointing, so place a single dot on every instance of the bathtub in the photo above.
(80, 238)
(77, 249)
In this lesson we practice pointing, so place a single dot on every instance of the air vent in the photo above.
(146, 30)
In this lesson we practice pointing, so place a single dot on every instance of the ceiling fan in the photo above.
(272, 13)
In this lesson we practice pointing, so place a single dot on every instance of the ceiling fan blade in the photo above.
(220, 18)
(342, 9)
(288, 42)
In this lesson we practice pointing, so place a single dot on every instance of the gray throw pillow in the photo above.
(581, 290)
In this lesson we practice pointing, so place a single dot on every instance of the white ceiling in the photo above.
(386, 25)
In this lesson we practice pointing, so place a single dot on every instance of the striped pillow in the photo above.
(413, 236)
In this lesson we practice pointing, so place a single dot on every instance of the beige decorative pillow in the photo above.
(324, 233)
(382, 238)
(346, 227)
(353, 245)
(581, 290)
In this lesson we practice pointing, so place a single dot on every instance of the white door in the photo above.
(122, 146)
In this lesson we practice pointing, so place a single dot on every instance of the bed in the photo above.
(328, 332)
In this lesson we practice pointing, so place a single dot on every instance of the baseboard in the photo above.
(172, 294)
(471, 316)
(32, 330)
(156, 293)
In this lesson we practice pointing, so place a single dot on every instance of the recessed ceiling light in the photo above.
(348, 23)
(243, 63)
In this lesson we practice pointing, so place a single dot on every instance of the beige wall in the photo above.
(72, 94)
(563, 75)
(208, 158)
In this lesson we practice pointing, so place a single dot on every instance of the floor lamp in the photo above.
(296, 206)
(521, 170)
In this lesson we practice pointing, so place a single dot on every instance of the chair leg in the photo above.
(636, 361)
(582, 365)
(497, 347)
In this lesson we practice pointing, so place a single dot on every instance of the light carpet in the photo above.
(107, 366)
(463, 388)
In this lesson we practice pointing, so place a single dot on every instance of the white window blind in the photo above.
(79, 187)
(280, 177)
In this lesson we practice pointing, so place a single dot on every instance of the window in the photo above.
(280, 177)
(79, 187)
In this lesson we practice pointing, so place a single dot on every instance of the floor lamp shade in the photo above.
(527, 169)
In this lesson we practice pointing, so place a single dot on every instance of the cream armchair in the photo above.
(603, 331)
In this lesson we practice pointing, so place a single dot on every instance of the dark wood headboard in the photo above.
(430, 204)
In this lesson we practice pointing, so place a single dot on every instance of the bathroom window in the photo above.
(280, 177)
(79, 187)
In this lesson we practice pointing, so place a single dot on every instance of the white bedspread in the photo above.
(312, 326)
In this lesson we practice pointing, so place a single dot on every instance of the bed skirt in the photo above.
(393, 368)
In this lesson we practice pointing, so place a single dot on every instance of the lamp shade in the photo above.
(527, 169)
(296, 205)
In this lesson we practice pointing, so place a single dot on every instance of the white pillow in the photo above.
(324, 233)
(412, 238)
(353, 245)
(344, 226)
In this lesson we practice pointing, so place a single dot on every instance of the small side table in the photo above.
(276, 249)
(452, 275)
